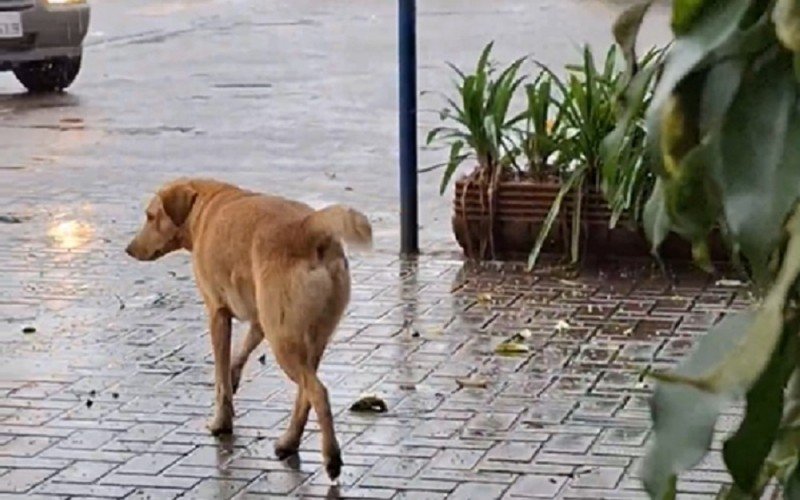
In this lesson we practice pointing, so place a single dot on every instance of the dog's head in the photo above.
(164, 228)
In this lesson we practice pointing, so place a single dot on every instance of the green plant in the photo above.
(724, 132)
(542, 137)
(479, 127)
(626, 178)
(587, 112)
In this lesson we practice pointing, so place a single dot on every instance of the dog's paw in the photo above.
(236, 377)
(333, 466)
(220, 426)
(285, 450)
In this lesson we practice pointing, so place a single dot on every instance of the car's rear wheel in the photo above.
(51, 75)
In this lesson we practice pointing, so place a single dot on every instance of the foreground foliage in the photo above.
(724, 130)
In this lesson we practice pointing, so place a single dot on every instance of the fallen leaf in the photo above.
(408, 387)
(369, 404)
(729, 283)
(484, 298)
(562, 325)
(472, 383)
(510, 347)
(525, 334)
(10, 219)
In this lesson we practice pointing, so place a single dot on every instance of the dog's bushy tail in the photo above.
(343, 223)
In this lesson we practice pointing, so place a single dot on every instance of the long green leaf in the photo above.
(656, 219)
(758, 174)
(555, 209)
(741, 368)
(452, 165)
(746, 451)
(684, 416)
(626, 28)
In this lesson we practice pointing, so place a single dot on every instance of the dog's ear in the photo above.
(178, 200)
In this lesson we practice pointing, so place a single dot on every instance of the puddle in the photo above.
(70, 235)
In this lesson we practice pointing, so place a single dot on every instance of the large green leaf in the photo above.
(686, 12)
(727, 363)
(691, 205)
(759, 172)
(746, 451)
(719, 23)
(626, 28)
(656, 219)
(721, 84)
(741, 368)
(684, 416)
(786, 16)
(791, 489)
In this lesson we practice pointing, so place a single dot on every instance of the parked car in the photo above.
(41, 41)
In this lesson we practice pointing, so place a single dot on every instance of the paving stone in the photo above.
(83, 472)
(154, 494)
(278, 482)
(26, 446)
(222, 489)
(147, 463)
(398, 467)
(532, 486)
(456, 459)
(512, 452)
(74, 490)
(22, 480)
(477, 491)
(599, 477)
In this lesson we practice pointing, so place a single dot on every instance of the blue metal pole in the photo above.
(407, 52)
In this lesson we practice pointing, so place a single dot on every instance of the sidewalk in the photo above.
(108, 397)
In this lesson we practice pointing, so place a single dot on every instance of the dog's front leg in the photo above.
(254, 337)
(220, 326)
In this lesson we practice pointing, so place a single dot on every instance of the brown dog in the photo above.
(275, 263)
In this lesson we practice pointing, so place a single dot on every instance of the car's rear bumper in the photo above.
(48, 31)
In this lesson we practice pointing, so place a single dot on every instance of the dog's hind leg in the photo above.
(290, 360)
(220, 326)
(317, 395)
(252, 340)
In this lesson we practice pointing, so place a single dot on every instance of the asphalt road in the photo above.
(295, 97)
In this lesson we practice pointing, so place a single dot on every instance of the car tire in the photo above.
(51, 75)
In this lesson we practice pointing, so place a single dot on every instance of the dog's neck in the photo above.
(190, 227)
(206, 192)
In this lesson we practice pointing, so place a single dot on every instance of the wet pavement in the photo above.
(105, 367)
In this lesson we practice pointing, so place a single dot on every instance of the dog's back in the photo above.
(301, 272)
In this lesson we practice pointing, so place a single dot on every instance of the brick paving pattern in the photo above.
(111, 401)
